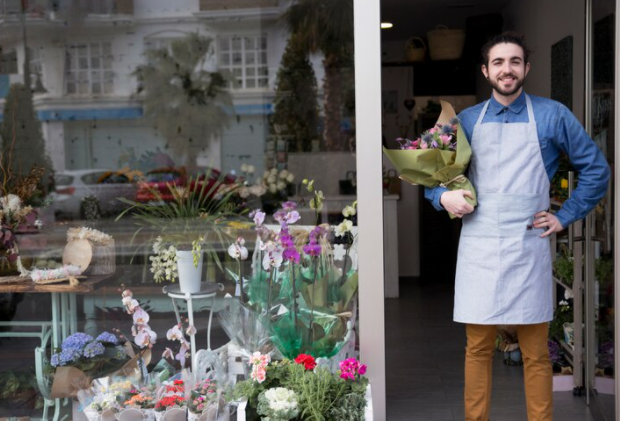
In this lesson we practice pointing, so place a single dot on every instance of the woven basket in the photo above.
(445, 43)
(97, 257)
(415, 49)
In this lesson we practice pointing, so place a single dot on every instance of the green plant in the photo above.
(198, 217)
(19, 382)
(603, 268)
(563, 268)
(563, 314)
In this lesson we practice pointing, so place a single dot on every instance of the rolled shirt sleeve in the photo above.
(586, 158)
(434, 196)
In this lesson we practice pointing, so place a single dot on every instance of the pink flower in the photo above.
(362, 369)
(140, 317)
(433, 130)
(445, 139)
(424, 145)
(260, 375)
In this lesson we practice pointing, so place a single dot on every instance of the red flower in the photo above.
(307, 360)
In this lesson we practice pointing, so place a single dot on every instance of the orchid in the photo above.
(237, 250)
(145, 337)
(339, 252)
(343, 228)
(349, 211)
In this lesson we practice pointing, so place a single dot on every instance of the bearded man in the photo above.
(503, 274)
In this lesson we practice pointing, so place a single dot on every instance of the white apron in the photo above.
(503, 273)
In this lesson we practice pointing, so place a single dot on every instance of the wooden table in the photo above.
(63, 322)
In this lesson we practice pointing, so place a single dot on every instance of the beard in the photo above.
(506, 92)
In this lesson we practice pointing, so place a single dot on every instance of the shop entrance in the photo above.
(573, 63)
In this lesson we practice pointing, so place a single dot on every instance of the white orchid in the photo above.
(174, 334)
(290, 178)
(244, 167)
(237, 249)
(349, 211)
(140, 317)
(145, 337)
(344, 227)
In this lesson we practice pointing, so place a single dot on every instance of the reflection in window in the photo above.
(246, 59)
(89, 69)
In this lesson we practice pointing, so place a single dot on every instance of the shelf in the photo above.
(557, 281)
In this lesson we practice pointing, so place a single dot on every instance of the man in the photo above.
(503, 271)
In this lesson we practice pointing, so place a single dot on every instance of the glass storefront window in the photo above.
(148, 136)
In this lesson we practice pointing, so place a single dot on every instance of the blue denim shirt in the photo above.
(558, 130)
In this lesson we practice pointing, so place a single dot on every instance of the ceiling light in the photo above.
(386, 25)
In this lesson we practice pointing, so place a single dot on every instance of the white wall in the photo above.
(545, 22)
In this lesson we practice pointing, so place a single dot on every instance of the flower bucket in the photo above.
(210, 414)
(189, 275)
(171, 414)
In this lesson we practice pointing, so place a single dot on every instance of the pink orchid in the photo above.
(140, 317)
(145, 337)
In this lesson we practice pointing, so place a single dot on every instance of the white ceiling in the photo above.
(416, 17)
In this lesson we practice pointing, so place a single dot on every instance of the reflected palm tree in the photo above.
(186, 102)
(326, 26)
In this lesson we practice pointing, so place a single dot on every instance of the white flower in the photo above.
(251, 169)
(11, 203)
(272, 188)
(244, 167)
(244, 192)
(349, 211)
(339, 252)
(191, 330)
(568, 294)
(145, 337)
(563, 303)
(283, 174)
(140, 317)
(174, 334)
(38, 224)
(290, 178)
(273, 259)
(237, 251)
(280, 185)
(344, 227)
(274, 172)
(271, 179)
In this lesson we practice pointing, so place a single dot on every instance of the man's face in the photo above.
(507, 69)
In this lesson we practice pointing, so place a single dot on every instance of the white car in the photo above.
(106, 185)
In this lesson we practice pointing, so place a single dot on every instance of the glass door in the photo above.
(599, 227)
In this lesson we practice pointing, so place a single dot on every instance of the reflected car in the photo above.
(106, 185)
(158, 182)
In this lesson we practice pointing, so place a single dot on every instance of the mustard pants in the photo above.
(537, 365)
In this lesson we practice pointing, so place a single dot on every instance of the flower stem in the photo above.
(294, 295)
(311, 333)
(241, 282)
(270, 285)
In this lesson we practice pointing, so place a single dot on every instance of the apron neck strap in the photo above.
(483, 112)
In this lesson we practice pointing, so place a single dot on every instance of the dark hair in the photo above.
(504, 38)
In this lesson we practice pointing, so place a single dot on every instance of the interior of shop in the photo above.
(431, 52)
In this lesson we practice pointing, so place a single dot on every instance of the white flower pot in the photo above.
(189, 275)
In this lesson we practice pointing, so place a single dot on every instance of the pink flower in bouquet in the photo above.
(350, 368)
(433, 130)
(424, 145)
(445, 139)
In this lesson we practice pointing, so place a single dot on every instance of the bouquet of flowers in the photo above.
(289, 389)
(82, 358)
(438, 158)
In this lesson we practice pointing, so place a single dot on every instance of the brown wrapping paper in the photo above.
(69, 380)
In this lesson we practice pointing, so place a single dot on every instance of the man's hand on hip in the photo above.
(455, 203)
(548, 221)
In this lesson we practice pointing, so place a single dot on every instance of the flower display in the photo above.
(170, 401)
(79, 348)
(142, 400)
(144, 337)
(201, 395)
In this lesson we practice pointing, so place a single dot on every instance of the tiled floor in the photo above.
(425, 355)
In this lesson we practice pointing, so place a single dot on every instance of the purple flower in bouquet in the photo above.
(107, 337)
(258, 216)
(434, 144)
(454, 121)
(93, 349)
(554, 351)
(77, 341)
(447, 129)
(427, 138)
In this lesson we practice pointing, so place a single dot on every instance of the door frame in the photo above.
(616, 209)
(369, 159)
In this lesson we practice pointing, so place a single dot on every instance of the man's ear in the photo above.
(485, 72)
(527, 68)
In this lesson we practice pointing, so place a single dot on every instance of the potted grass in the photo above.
(179, 231)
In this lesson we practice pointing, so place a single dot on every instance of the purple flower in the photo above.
(107, 337)
(454, 121)
(93, 349)
(258, 216)
(312, 249)
(77, 341)
(289, 206)
(434, 145)
(64, 357)
(447, 129)
(291, 254)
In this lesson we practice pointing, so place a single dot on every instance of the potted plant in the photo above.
(195, 221)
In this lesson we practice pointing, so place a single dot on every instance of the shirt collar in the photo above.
(516, 106)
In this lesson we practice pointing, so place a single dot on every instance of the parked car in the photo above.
(106, 185)
(159, 181)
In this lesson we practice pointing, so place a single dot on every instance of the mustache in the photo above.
(508, 75)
